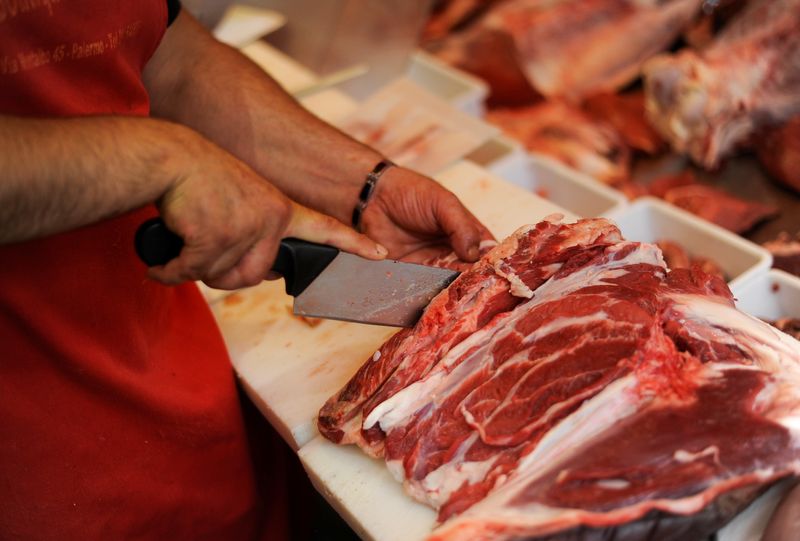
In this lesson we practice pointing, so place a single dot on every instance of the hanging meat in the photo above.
(567, 48)
(708, 102)
(568, 385)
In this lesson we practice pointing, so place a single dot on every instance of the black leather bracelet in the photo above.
(366, 192)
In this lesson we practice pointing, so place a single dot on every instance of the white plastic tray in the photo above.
(649, 219)
(771, 295)
(462, 90)
(548, 178)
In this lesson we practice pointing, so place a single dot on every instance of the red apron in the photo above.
(118, 411)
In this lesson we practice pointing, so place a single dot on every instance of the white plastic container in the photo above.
(649, 219)
(771, 295)
(550, 179)
(464, 91)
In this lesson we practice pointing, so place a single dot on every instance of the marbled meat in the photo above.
(568, 382)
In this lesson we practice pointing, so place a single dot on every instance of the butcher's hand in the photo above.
(785, 522)
(232, 220)
(416, 218)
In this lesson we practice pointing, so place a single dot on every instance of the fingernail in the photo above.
(473, 252)
(381, 250)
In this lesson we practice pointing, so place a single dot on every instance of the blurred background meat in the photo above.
(707, 102)
(676, 257)
(785, 252)
(569, 48)
(569, 135)
(779, 153)
(626, 114)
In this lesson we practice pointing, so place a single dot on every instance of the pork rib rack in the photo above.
(569, 382)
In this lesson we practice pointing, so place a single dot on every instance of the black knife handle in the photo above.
(298, 261)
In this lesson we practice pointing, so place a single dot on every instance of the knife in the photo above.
(326, 282)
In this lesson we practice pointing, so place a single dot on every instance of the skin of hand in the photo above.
(415, 218)
(310, 161)
(232, 220)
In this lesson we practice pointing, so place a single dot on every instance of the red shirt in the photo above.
(118, 412)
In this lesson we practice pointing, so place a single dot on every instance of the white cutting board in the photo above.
(289, 368)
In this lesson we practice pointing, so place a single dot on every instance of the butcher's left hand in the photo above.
(415, 218)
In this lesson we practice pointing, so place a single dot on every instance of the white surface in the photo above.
(649, 219)
(499, 155)
(242, 25)
(414, 128)
(462, 90)
(770, 295)
(290, 368)
(562, 185)
(290, 74)
(364, 493)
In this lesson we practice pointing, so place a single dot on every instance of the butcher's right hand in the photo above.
(231, 221)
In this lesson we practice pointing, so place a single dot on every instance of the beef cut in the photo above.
(565, 48)
(569, 384)
(706, 103)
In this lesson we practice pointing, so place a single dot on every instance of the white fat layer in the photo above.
(376, 355)
(613, 484)
(535, 519)
(613, 404)
(683, 456)
(395, 467)
(440, 484)
(772, 351)
(399, 407)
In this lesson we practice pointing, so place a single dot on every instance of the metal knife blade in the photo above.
(328, 283)
(385, 292)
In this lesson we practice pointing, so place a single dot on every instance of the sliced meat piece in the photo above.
(568, 135)
(610, 399)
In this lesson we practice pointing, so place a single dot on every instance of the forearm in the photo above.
(214, 89)
(60, 174)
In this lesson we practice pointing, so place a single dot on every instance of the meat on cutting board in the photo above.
(573, 48)
(568, 382)
(567, 134)
(706, 103)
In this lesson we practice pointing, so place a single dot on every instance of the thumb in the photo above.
(313, 226)
(463, 230)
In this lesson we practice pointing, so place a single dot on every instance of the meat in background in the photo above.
(785, 252)
(569, 135)
(706, 103)
(565, 48)
(778, 152)
(705, 201)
